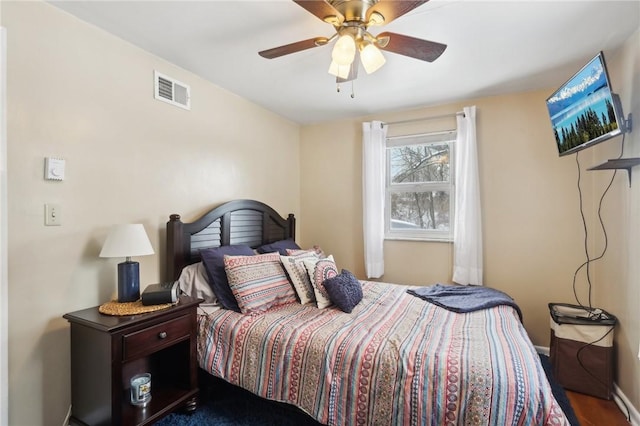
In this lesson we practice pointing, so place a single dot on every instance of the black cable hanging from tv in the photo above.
(589, 260)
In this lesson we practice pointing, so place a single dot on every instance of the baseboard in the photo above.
(619, 397)
(626, 406)
(542, 350)
(67, 418)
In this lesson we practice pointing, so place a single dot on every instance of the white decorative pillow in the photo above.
(193, 282)
(319, 270)
(294, 265)
(258, 282)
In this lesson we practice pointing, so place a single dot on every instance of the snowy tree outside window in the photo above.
(419, 186)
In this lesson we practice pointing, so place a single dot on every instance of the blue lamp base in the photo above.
(128, 281)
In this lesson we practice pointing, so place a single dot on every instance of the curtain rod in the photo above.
(425, 118)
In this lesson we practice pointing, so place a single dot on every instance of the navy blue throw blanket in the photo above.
(462, 298)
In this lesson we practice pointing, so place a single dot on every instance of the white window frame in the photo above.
(449, 137)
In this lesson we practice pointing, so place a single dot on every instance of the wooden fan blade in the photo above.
(322, 10)
(392, 9)
(293, 47)
(414, 47)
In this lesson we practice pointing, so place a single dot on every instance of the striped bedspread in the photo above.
(395, 360)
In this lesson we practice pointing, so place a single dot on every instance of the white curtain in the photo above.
(467, 235)
(374, 135)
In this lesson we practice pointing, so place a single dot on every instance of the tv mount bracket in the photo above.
(628, 124)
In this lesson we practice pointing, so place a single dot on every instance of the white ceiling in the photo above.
(494, 47)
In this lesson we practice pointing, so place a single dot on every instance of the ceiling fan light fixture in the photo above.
(372, 58)
(344, 50)
(340, 71)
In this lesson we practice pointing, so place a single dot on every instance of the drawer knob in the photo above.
(162, 335)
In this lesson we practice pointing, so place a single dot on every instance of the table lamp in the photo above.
(127, 241)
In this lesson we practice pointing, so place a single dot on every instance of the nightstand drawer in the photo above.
(152, 338)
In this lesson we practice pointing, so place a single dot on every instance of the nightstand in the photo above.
(106, 351)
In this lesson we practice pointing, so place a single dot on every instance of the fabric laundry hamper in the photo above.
(581, 349)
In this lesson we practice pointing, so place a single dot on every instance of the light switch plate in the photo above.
(52, 215)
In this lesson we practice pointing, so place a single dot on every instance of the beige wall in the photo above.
(4, 329)
(617, 275)
(533, 233)
(79, 93)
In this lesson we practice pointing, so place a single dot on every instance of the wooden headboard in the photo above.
(246, 222)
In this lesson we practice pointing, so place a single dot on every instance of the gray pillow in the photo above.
(344, 290)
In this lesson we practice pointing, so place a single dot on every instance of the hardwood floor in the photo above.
(592, 411)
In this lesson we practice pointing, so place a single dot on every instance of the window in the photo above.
(419, 187)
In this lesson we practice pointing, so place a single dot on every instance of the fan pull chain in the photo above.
(353, 92)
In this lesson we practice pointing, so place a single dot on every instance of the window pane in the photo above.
(419, 163)
(420, 210)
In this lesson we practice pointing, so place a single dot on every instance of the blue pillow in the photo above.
(213, 260)
(344, 290)
(279, 246)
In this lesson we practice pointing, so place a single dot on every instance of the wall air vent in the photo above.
(172, 91)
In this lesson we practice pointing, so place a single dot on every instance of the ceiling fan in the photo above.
(351, 20)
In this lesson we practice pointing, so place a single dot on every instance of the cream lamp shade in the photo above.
(127, 241)
(344, 50)
(371, 58)
(341, 71)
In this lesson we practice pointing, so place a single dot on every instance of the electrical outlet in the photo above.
(52, 215)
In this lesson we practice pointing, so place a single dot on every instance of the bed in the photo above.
(394, 359)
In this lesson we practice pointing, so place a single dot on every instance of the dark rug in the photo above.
(222, 404)
(558, 392)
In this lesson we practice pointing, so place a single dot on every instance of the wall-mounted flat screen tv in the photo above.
(583, 110)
